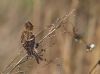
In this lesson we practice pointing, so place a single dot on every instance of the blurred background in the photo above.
(64, 55)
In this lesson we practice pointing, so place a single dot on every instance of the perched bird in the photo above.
(28, 41)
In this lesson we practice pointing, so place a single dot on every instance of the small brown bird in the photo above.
(28, 41)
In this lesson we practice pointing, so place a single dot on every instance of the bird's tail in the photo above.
(37, 57)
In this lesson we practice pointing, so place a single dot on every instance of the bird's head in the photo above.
(29, 26)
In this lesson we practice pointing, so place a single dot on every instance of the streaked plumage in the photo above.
(28, 41)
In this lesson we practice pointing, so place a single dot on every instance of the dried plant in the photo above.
(29, 44)
(78, 37)
(94, 67)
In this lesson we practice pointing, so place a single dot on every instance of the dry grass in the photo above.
(66, 55)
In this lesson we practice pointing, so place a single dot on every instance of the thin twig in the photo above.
(17, 64)
(91, 71)
(11, 63)
(93, 68)
(58, 25)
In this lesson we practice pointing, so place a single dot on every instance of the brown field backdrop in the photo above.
(65, 56)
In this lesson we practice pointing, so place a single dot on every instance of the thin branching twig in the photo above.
(54, 28)
(58, 22)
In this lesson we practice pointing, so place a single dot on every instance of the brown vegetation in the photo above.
(64, 55)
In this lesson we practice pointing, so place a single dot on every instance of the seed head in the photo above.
(90, 47)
